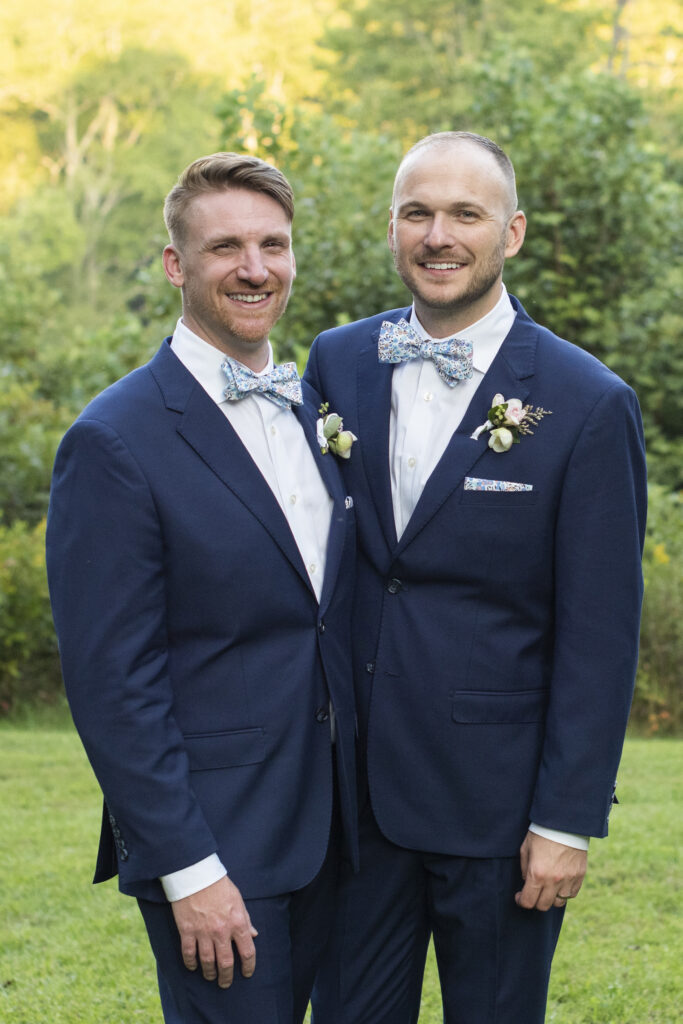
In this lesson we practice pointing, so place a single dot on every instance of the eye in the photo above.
(467, 215)
(416, 214)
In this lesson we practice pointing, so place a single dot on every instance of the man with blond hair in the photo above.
(200, 549)
(500, 492)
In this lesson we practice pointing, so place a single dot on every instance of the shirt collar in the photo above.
(204, 360)
(486, 334)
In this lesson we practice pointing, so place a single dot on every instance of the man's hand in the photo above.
(552, 873)
(209, 922)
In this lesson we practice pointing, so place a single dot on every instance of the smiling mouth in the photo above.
(442, 266)
(249, 297)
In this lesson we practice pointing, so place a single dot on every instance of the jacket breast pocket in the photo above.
(207, 751)
(479, 707)
(501, 500)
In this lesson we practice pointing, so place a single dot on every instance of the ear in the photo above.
(173, 267)
(294, 263)
(515, 233)
(391, 241)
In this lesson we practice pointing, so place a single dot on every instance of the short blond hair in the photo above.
(220, 172)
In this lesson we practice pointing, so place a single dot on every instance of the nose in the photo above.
(439, 233)
(251, 266)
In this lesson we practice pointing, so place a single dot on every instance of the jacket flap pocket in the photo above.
(481, 707)
(225, 749)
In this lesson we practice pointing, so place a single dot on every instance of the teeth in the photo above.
(443, 266)
(250, 298)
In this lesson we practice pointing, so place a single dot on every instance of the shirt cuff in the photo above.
(566, 838)
(190, 880)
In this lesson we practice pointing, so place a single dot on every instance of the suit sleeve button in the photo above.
(393, 586)
(321, 714)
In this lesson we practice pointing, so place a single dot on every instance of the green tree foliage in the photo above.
(109, 141)
(29, 666)
(658, 705)
(408, 65)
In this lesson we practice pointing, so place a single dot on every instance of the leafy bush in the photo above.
(29, 664)
(657, 703)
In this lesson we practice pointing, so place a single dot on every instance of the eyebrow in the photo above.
(273, 236)
(461, 204)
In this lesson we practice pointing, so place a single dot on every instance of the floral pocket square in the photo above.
(475, 483)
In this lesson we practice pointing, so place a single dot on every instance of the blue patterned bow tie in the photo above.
(281, 384)
(452, 357)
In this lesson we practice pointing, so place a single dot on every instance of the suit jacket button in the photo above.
(321, 626)
(321, 714)
(393, 586)
(370, 667)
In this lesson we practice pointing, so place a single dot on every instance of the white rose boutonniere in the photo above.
(508, 421)
(331, 434)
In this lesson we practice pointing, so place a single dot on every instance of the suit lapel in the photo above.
(204, 427)
(509, 375)
(374, 419)
(307, 416)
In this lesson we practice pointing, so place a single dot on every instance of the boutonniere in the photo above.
(508, 421)
(331, 434)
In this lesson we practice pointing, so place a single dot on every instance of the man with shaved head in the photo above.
(499, 483)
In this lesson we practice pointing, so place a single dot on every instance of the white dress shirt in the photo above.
(425, 412)
(276, 442)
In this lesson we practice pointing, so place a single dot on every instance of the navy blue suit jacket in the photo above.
(496, 641)
(197, 661)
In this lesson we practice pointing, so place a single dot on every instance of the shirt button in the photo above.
(292, 499)
(312, 567)
(428, 396)
(273, 431)
(411, 462)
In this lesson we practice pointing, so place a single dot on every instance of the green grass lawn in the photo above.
(71, 952)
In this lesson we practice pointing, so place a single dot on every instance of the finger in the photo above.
(528, 897)
(243, 936)
(188, 949)
(576, 887)
(207, 958)
(524, 860)
(560, 901)
(247, 952)
(536, 896)
(568, 892)
(225, 961)
(546, 898)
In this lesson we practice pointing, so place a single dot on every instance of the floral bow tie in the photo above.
(281, 385)
(452, 357)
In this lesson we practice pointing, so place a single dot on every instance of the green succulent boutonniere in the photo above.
(331, 434)
(509, 421)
